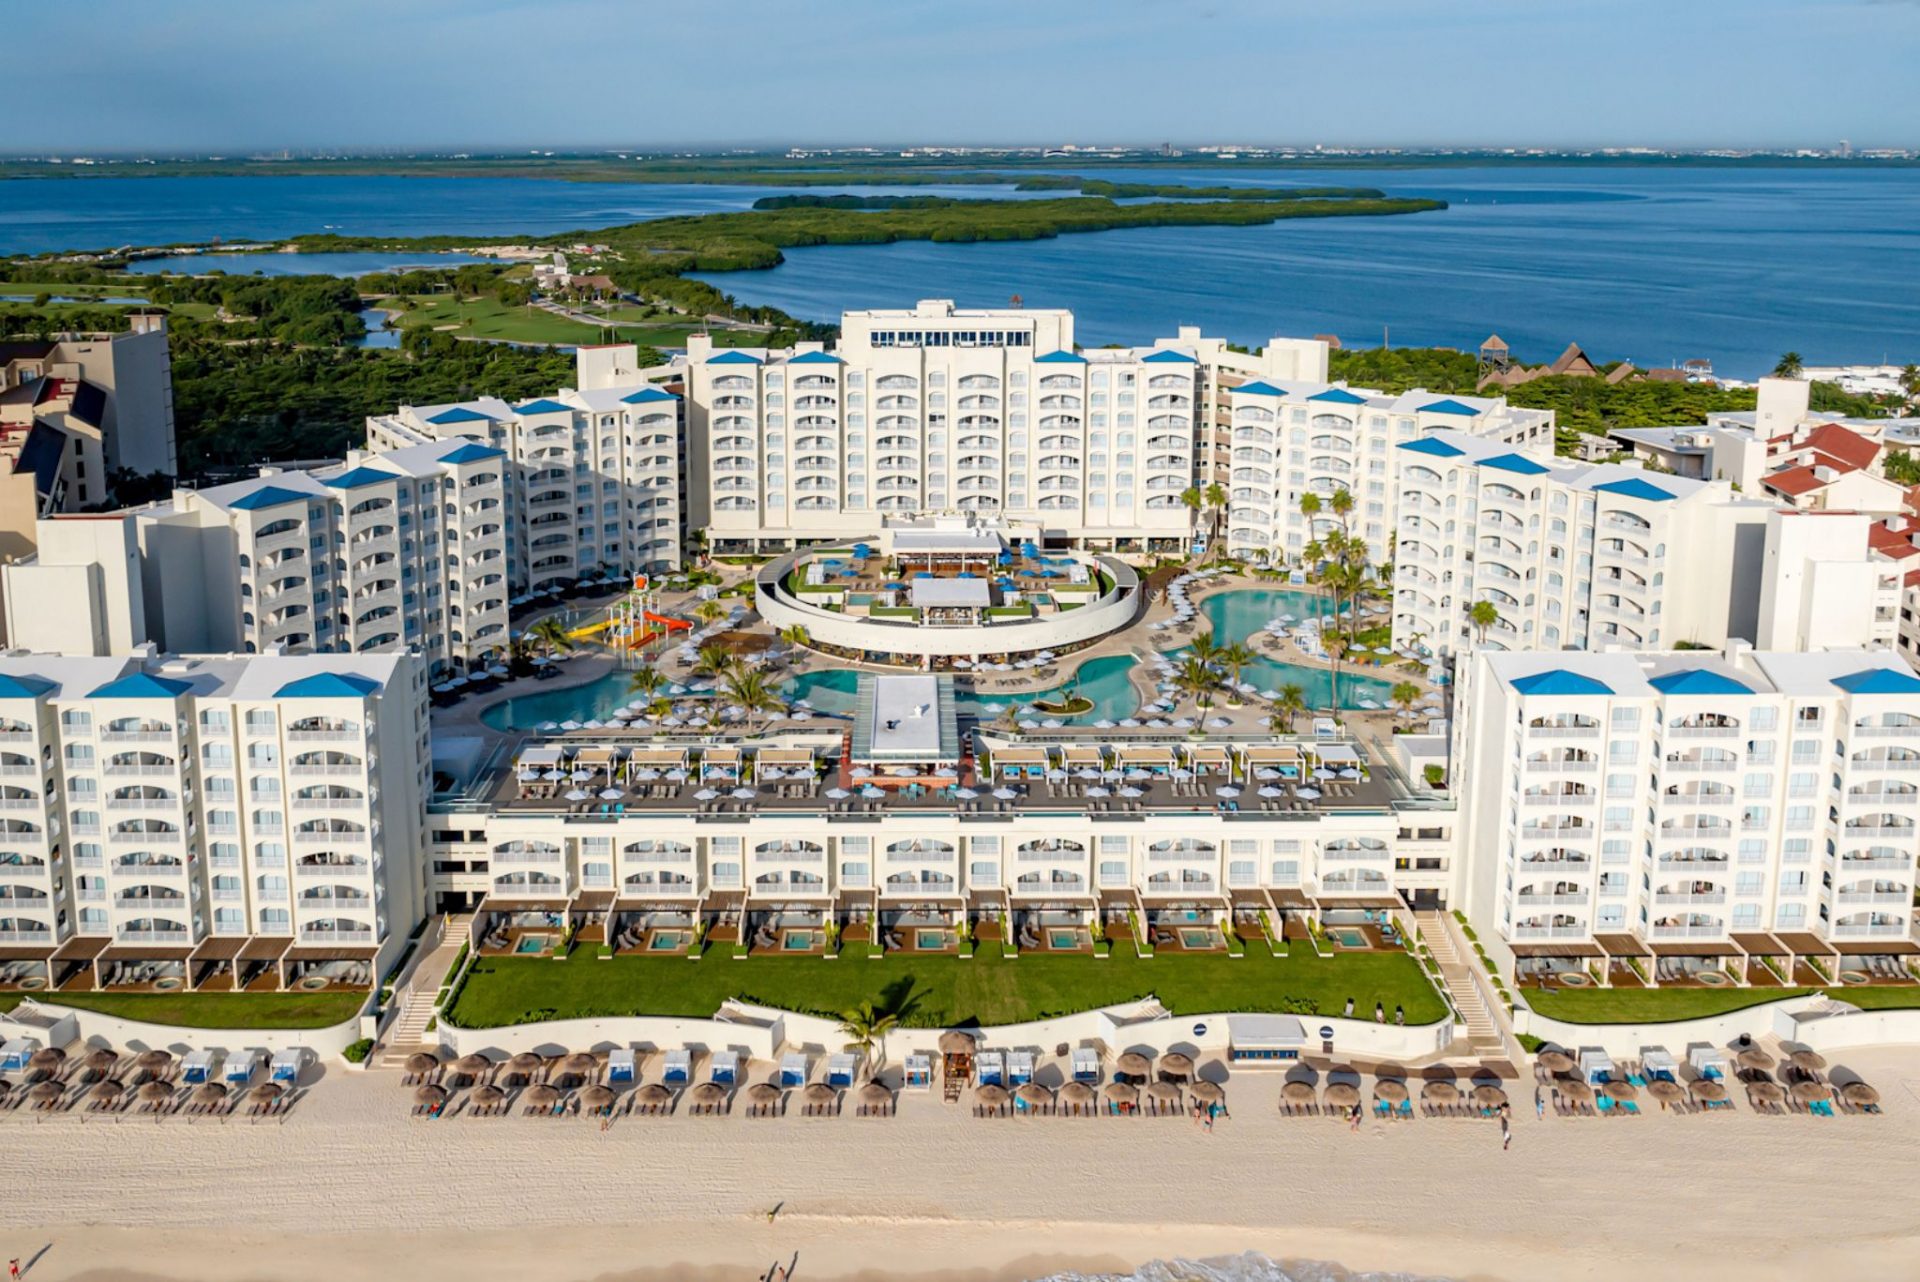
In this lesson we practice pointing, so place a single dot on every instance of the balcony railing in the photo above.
(1549, 932)
(1872, 930)
(1686, 932)
(313, 935)
(1884, 897)
(1667, 899)
(1704, 732)
(152, 937)
(1551, 901)
(1563, 732)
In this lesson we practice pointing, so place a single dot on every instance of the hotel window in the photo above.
(1747, 915)
(984, 872)
(986, 845)
(855, 874)
(726, 875)
(1765, 718)
(1753, 850)
(1113, 872)
(1749, 883)
(1612, 915)
(1790, 917)
(1286, 872)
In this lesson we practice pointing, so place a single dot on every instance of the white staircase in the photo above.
(414, 1000)
(1486, 1034)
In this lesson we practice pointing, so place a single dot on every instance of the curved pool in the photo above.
(1238, 614)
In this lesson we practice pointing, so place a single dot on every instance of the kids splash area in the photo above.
(946, 593)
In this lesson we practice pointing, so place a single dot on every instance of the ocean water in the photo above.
(1250, 1267)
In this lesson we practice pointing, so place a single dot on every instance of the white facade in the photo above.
(941, 409)
(1294, 439)
(161, 802)
(1682, 799)
(1822, 587)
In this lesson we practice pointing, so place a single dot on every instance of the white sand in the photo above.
(349, 1187)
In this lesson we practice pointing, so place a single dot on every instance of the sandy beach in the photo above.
(349, 1187)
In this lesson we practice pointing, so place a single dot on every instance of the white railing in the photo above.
(1848, 897)
(1549, 932)
(1550, 901)
(1686, 932)
(1670, 899)
(1704, 732)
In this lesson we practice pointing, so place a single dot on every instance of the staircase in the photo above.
(414, 999)
(1486, 1029)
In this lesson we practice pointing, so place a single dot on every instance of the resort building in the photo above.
(1660, 813)
(1295, 439)
(942, 409)
(210, 822)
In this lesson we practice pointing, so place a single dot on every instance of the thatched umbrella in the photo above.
(763, 1095)
(1390, 1089)
(429, 1096)
(154, 1061)
(1754, 1057)
(1120, 1093)
(1341, 1095)
(1297, 1092)
(1578, 1092)
(1708, 1091)
(875, 1095)
(540, 1096)
(1555, 1061)
(653, 1094)
(1808, 1061)
(105, 1092)
(1165, 1092)
(209, 1093)
(1665, 1089)
(102, 1061)
(581, 1064)
(1435, 1092)
(1489, 1096)
(524, 1064)
(1077, 1094)
(1207, 1092)
(595, 1098)
(268, 1092)
(1133, 1064)
(1176, 1064)
(47, 1059)
(1859, 1094)
(819, 1095)
(155, 1093)
(957, 1043)
(488, 1097)
(1616, 1090)
(708, 1095)
(1765, 1092)
(421, 1063)
(46, 1092)
(1807, 1091)
(473, 1066)
(991, 1096)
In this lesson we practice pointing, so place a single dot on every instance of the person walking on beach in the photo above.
(1506, 1133)
(13, 1268)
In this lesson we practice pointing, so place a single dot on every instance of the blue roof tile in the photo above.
(329, 685)
(12, 687)
(141, 685)
(1060, 358)
(1514, 463)
(816, 358)
(1435, 446)
(266, 496)
(1697, 681)
(1879, 681)
(1559, 681)
(1449, 406)
(646, 394)
(1635, 488)
(544, 405)
(1166, 354)
(359, 476)
(472, 452)
(1339, 396)
(459, 414)
(733, 356)
(1256, 389)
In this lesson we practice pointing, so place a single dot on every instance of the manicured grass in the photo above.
(1650, 1005)
(211, 1010)
(943, 991)
(490, 318)
(1888, 998)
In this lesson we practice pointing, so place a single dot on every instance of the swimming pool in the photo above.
(1063, 941)
(1237, 615)
(594, 701)
(929, 941)
(798, 941)
(1347, 937)
(533, 944)
(666, 941)
(1105, 681)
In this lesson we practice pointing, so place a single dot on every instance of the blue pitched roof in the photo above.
(1168, 354)
(141, 685)
(1514, 463)
(1339, 396)
(329, 685)
(472, 452)
(23, 687)
(1635, 488)
(733, 356)
(1061, 357)
(1256, 389)
(648, 394)
(359, 476)
(1449, 406)
(1559, 681)
(460, 414)
(544, 405)
(266, 496)
(816, 358)
(1879, 681)
(1435, 446)
(1697, 681)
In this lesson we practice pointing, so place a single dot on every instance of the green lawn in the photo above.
(944, 991)
(490, 318)
(1670, 1005)
(212, 1010)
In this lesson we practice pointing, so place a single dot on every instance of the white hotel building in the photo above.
(205, 814)
(1663, 808)
(941, 409)
(1291, 439)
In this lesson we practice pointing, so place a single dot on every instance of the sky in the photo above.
(197, 76)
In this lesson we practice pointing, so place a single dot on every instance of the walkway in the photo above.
(1489, 1034)
(413, 999)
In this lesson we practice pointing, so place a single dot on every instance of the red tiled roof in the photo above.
(1896, 545)
(1853, 450)
(1794, 481)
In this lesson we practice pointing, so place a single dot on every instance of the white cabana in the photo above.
(1595, 1066)
(15, 1054)
(919, 1072)
(287, 1064)
(242, 1065)
(679, 1067)
(1264, 1038)
(200, 1066)
(1086, 1064)
(1708, 1061)
(723, 1068)
(793, 1070)
(622, 1065)
(1655, 1062)
(841, 1069)
(1019, 1068)
(990, 1068)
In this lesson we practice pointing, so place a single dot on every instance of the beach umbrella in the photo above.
(1005, 794)
(653, 1094)
(595, 1098)
(871, 793)
(817, 1094)
(1432, 1092)
(1098, 791)
(1489, 1096)
(611, 794)
(839, 794)
(964, 794)
(1297, 1092)
(956, 1042)
(1808, 1061)
(540, 1097)
(1765, 1092)
(1390, 1089)
(1177, 1064)
(46, 1092)
(1755, 1058)
(763, 1093)
(472, 1065)
(1307, 794)
(1578, 1092)
(102, 1061)
(1859, 1094)
(104, 1092)
(1614, 1090)
(155, 1093)
(1120, 1093)
(154, 1061)
(1556, 1061)
(1807, 1091)
(1341, 1095)
(1226, 790)
(422, 1062)
(47, 1059)
(525, 1062)
(708, 1095)
(1077, 1093)
(1207, 1092)
(874, 1094)
(488, 1097)
(429, 1096)
(1711, 1092)
(1165, 1092)
(706, 794)
(743, 794)
(1271, 791)
(1132, 1063)
(1665, 1089)
(580, 1064)
(574, 794)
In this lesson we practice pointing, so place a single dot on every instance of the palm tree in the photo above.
(1790, 366)
(1341, 503)
(1404, 695)
(709, 611)
(1234, 658)
(1910, 383)
(1203, 647)
(866, 1027)
(1336, 648)
(1291, 703)
(1216, 497)
(1195, 678)
(552, 636)
(646, 683)
(713, 659)
(1483, 615)
(752, 691)
(1194, 498)
(796, 635)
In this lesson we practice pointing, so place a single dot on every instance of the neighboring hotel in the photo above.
(267, 808)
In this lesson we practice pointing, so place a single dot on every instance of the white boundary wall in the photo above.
(133, 1034)
(1812, 1020)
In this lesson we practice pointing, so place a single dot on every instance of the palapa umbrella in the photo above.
(1133, 1064)
(707, 1094)
(1578, 1092)
(873, 1093)
(818, 1093)
(595, 1098)
(421, 1062)
(428, 1096)
(1765, 1092)
(209, 1093)
(1489, 1096)
(992, 1096)
(1808, 1061)
(653, 1093)
(1556, 1061)
(47, 1059)
(1440, 1093)
(1076, 1093)
(1613, 1090)
(762, 1093)
(1390, 1089)
(1665, 1089)
(1807, 1091)
(105, 1092)
(1120, 1093)
(1754, 1057)
(1859, 1094)
(154, 1061)
(1207, 1092)
(488, 1096)
(268, 1092)
(102, 1061)
(155, 1093)
(1165, 1092)
(1708, 1091)
(1297, 1092)
(580, 1064)
(956, 1043)
(524, 1062)
(540, 1096)
(474, 1065)
(1341, 1095)
(1177, 1064)
(46, 1092)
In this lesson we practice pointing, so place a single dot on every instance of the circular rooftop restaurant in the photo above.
(921, 595)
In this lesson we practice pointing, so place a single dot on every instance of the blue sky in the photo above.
(199, 75)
